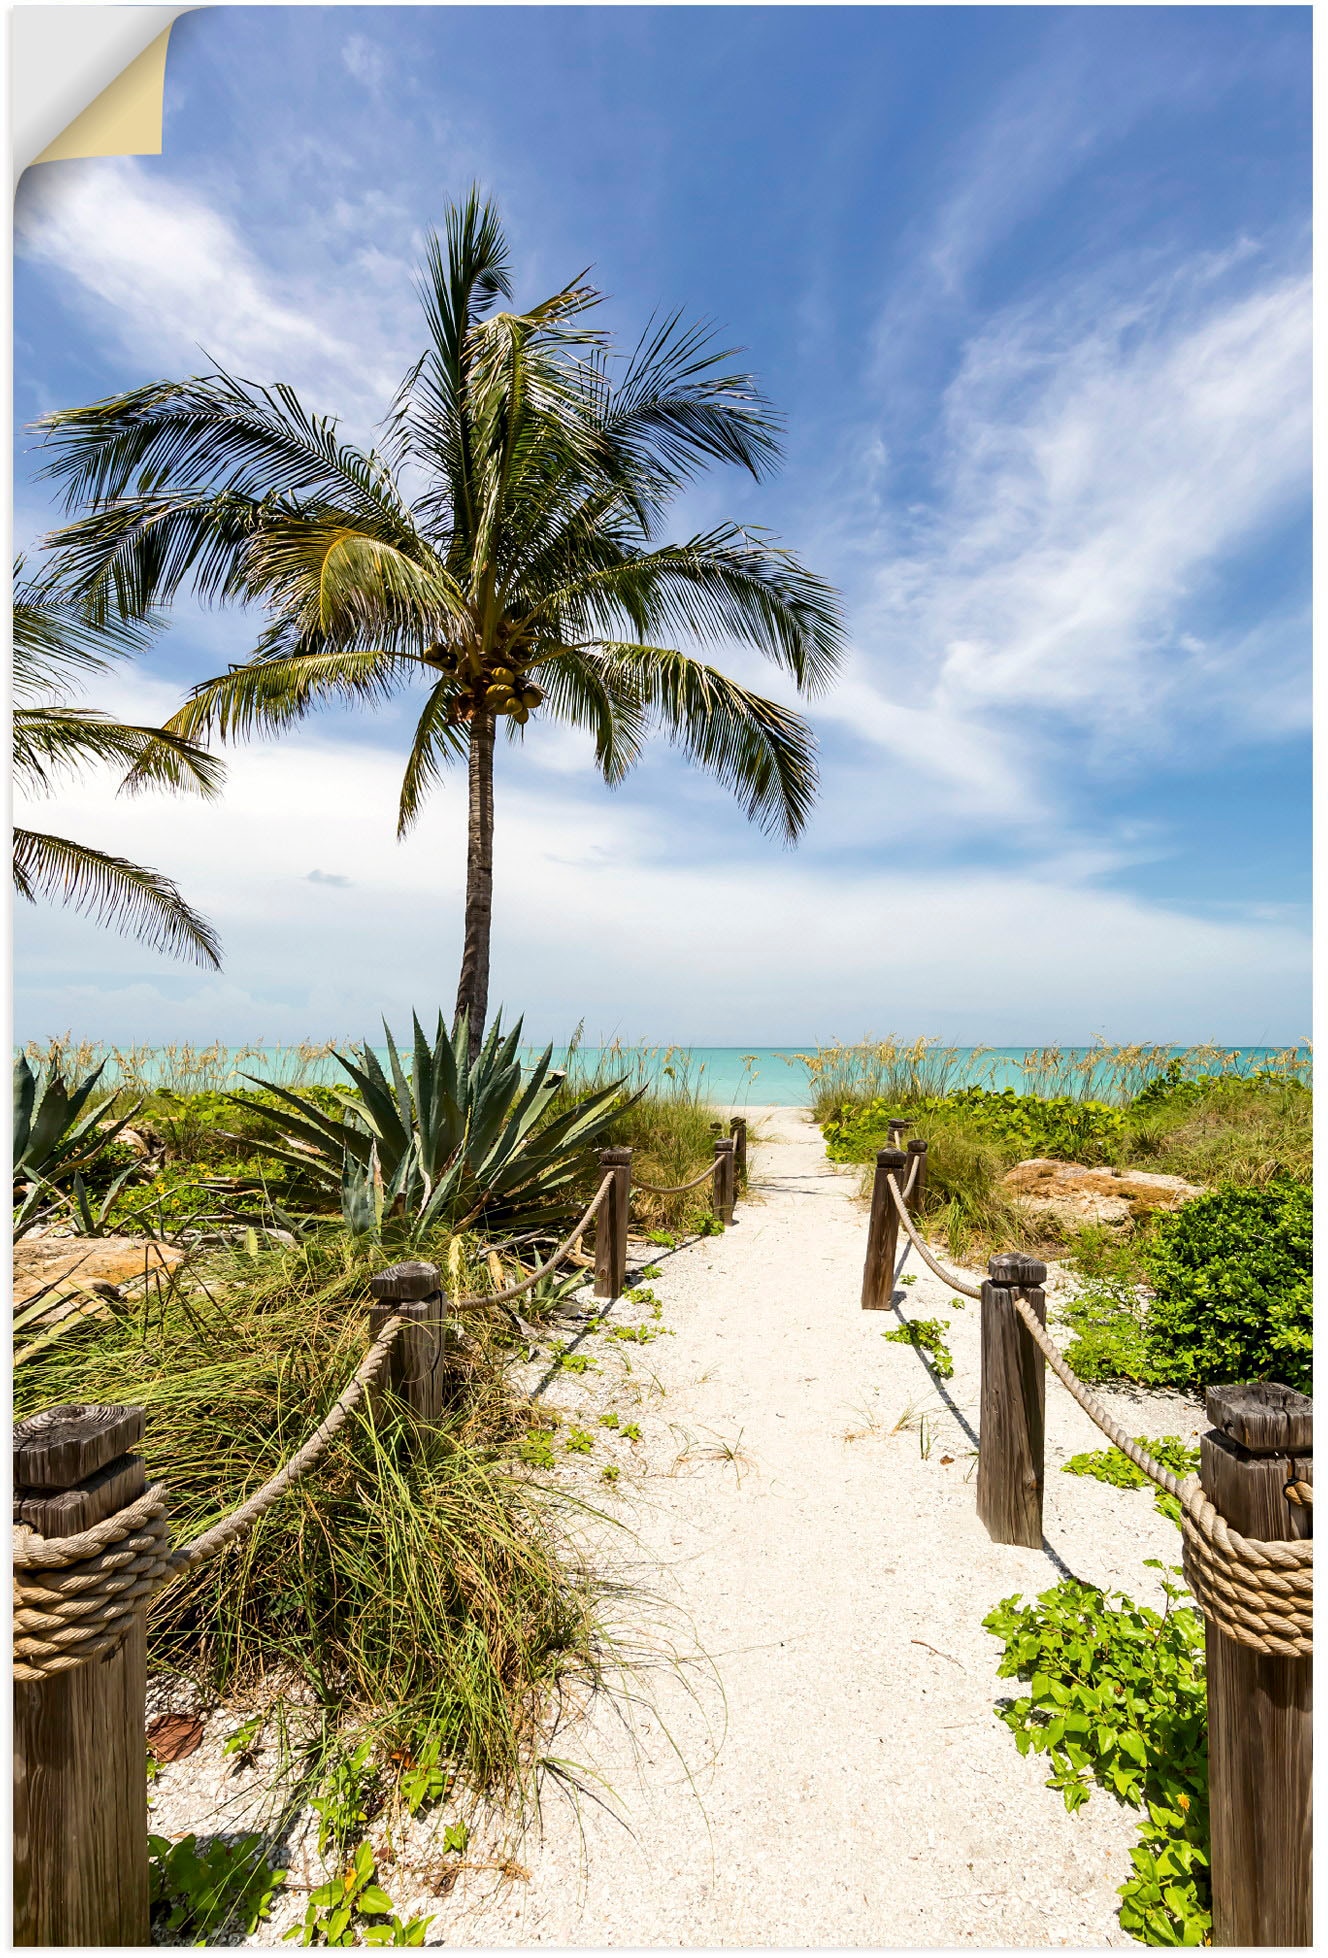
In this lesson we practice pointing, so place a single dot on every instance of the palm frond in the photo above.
(675, 409)
(588, 690)
(266, 694)
(438, 742)
(763, 752)
(115, 892)
(56, 639)
(730, 583)
(53, 741)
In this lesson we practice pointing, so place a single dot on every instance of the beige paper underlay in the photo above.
(125, 119)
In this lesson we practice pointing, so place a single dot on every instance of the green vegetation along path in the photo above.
(823, 1766)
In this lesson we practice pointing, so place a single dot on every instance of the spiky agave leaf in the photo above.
(453, 1142)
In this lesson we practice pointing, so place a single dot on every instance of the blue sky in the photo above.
(1030, 287)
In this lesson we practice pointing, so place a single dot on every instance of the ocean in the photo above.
(734, 1075)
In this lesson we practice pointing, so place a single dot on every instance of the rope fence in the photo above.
(1246, 1553)
(676, 1189)
(76, 1596)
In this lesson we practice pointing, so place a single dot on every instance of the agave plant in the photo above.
(453, 1143)
(59, 1131)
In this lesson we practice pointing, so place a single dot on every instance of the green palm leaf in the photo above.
(115, 892)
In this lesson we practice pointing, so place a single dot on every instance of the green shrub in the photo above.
(1022, 1125)
(1117, 1697)
(927, 1336)
(1110, 1466)
(1231, 1276)
(197, 1894)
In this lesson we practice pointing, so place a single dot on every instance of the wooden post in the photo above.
(1259, 1724)
(725, 1178)
(919, 1150)
(80, 1780)
(895, 1129)
(878, 1271)
(611, 1225)
(738, 1130)
(1011, 1422)
(417, 1366)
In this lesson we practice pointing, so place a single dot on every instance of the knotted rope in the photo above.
(675, 1189)
(959, 1284)
(515, 1291)
(75, 1597)
(1258, 1593)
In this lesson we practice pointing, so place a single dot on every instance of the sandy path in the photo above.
(847, 1781)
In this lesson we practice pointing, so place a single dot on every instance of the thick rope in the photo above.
(75, 1597)
(1258, 1593)
(910, 1180)
(675, 1189)
(515, 1291)
(958, 1284)
(215, 1540)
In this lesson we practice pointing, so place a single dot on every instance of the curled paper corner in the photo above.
(87, 81)
(125, 119)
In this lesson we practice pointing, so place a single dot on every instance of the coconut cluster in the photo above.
(499, 688)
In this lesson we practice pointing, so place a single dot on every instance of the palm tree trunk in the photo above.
(473, 988)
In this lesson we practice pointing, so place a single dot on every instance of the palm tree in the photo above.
(54, 642)
(521, 574)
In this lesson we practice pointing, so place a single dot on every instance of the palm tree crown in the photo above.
(56, 642)
(525, 576)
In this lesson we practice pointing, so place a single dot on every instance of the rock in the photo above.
(1072, 1194)
(42, 1261)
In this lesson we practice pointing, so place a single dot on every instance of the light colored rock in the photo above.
(42, 1261)
(1073, 1194)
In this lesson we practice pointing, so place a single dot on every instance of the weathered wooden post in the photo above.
(725, 1178)
(1259, 1720)
(416, 1370)
(917, 1151)
(738, 1130)
(80, 1782)
(1013, 1404)
(878, 1271)
(611, 1225)
(895, 1129)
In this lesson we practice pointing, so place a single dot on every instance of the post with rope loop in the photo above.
(738, 1130)
(416, 1371)
(80, 1686)
(1259, 1723)
(611, 1224)
(725, 1178)
(878, 1271)
(1013, 1404)
(917, 1151)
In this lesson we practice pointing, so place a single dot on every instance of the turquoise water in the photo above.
(743, 1076)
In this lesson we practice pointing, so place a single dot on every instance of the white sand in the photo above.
(828, 1769)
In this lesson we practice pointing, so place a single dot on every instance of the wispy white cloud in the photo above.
(168, 273)
(365, 61)
(1101, 458)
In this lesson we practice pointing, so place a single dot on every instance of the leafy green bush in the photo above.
(1117, 1697)
(1109, 1320)
(1231, 1275)
(195, 1894)
(1026, 1125)
(927, 1336)
(1110, 1466)
(349, 1908)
